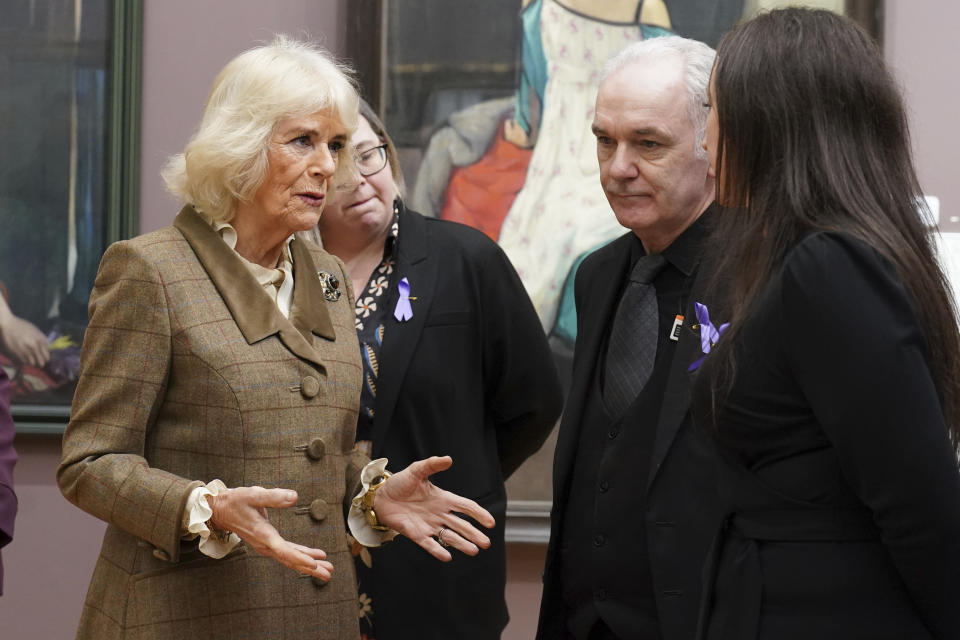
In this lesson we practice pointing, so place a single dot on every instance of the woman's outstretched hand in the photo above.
(414, 507)
(244, 511)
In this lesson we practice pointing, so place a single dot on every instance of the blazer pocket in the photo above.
(444, 318)
(193, 560)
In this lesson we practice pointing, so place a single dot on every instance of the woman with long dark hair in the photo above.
(833, 392)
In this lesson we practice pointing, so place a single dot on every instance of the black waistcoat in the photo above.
(605, 564)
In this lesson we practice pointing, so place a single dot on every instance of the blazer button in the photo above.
(316, 448)
(310, 387)
(319, 509)
(160, 554)
(318, 583)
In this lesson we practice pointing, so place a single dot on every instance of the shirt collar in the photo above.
(229, 235)
(684, 252)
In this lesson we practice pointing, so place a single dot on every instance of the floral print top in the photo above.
(370, 320)
(371, 317)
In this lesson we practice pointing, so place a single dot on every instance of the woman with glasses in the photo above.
(455, 361)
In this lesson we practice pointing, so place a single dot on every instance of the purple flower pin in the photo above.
(709, 335)
(403, 311)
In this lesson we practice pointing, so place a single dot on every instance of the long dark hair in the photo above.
(813, 136)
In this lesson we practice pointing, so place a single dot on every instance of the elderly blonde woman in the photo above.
(220, 378)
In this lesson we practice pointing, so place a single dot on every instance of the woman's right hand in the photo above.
(244, 511)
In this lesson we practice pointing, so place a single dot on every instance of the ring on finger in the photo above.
(440, 537)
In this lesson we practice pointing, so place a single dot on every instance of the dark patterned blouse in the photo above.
(371, 316)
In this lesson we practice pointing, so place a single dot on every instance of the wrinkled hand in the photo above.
(413, 506)
(244, 511)
(22, 340)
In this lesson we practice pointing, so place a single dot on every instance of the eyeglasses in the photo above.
(372, 160)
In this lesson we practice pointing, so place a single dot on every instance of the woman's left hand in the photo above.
(413, 506)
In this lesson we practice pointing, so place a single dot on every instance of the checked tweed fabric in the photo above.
(190, 373)
(633, 339)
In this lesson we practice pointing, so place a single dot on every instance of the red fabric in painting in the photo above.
(480, 194)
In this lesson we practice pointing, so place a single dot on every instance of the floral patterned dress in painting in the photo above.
(561, 212)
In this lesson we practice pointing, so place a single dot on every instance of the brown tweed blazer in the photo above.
(189, 373)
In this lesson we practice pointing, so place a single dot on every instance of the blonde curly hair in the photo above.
(225, 161)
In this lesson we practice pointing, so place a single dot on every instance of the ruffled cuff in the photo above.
(361, 531)
(195, 518)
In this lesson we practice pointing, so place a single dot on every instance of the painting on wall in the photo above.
(61, 102)
(490, 105)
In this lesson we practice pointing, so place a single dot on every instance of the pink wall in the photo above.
(48, 565)
(921, 48)
(185, 44)
(524, 585)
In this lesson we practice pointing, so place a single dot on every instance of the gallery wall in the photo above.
(186, 42)
(922, 55)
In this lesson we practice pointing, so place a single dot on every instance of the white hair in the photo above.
(697, 59)
(226, 160)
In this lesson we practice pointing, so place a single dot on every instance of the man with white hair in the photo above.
(633, 513)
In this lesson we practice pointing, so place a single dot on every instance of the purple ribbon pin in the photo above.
(404, 311)
(709, 335)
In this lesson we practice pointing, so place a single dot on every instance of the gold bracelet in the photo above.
(365, 503)
(220, 535)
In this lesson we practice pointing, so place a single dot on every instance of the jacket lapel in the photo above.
(308, 310)
(676, 400)
(599, 304)
(400, 338)
(255, 313)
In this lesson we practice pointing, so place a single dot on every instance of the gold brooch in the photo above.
(330, 285)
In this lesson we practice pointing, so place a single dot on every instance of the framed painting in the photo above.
(490, 105)
(69, 109)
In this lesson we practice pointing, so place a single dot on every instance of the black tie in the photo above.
(633, 339)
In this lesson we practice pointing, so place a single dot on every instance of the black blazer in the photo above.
(682, 515)
(842, 487)
(469, 375)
